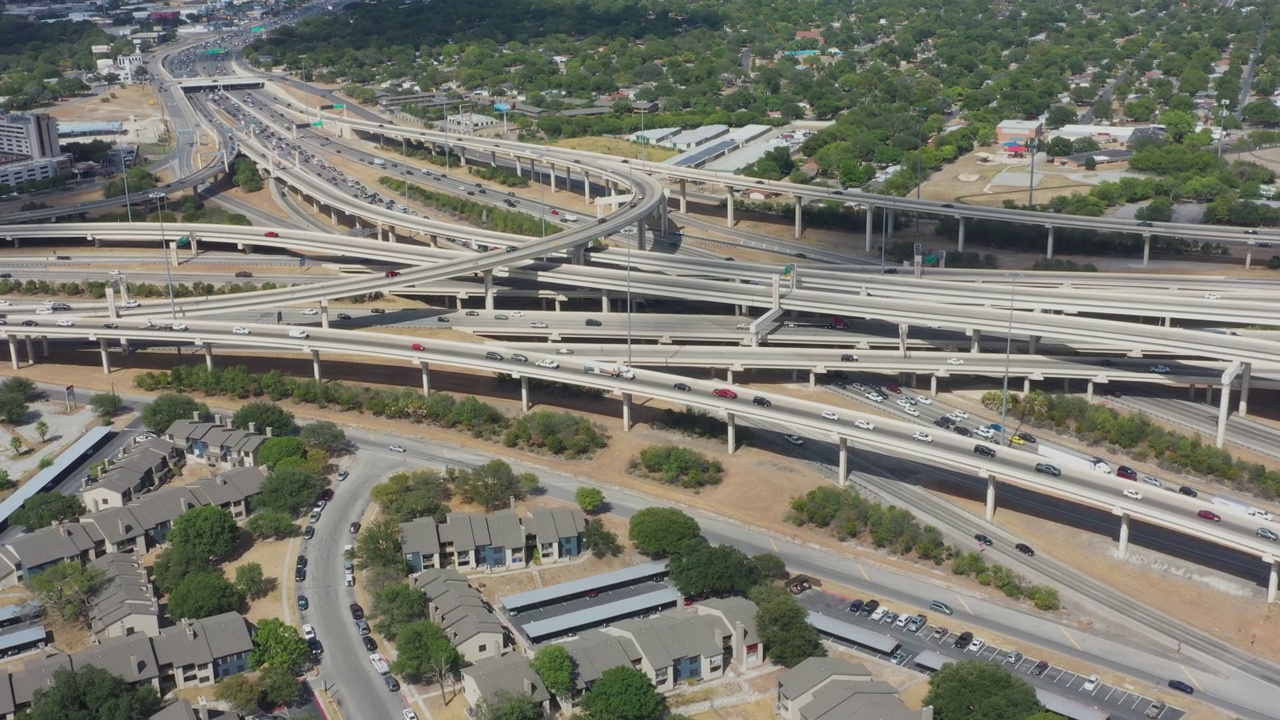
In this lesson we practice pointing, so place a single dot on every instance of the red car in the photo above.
(419, 347)
(725, 393)
(555, 211)
(1126, 472)
(393, 273)
(1209, 515)
(894, 389)
(272, 233)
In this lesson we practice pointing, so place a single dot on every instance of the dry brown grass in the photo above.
(616, 147)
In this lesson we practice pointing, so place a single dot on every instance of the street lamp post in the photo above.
(124, 173)
(1008, 351)
(919, 177)
(1032, 144)
(1222, 123)
(158, 196)
(628, 305)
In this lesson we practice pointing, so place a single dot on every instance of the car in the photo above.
(240, 330)
(1212, 296)
(761, 401)
(308, 632)
(1025, 437)
(547, 363)
(303, 603)
(1040, 668)
(681, 387)
(725, 393)
(854, 606)
(310, 311)
(369, 643)
(880, 613)
(44, 311)
(902, 621)
(299, 334)
(472, 313)
(1260, 514)
(357, 612)
(391, 273)
(396, 448)
(321, 505)
(962, 642)
(977, 645)
(317, 649)
(1159, 369)
(984, 432)
(962, 431)
(491, 355)
(66, 323)
(955, 361)
(1209, 515)
(308, 533)
(1126, 472)
(983, 540)
(904, 403)
(109, 325)
(1153, 481)
(944, 422)
(848, 358)
(378, 311)
(916, 622)
(829, 415)
(517, 357)
(354, 527)
(922, 436)
(409, 715)
(132, 304)
(1188, 491)
(860, 387)
(1013, 658)
(271, 234)
(794, 440)
(538, 325)
(1132, 494)
(592, 322)
(392, 684)
(864, 424)
(1048, 469)
(874, 396)
(1156, 708)
(869, 608)
(344, 475)
(178, 327)
(418, 346)
(984, 451)
(911, 411)
(959, 415)
(1146, 223)
(564, 351)
(442, 319)
(922, 399)
(1182, 687)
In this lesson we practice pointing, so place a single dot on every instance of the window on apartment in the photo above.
(483, 648)
(660, 676)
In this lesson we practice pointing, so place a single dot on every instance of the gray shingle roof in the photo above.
(230, 486)
(51, 544)
(201, 641)
(465, 531)
(508, 674)
(505, 529)
(117, 524)
(857, 700)
(420, 536)
(736, 610)
(180, 710)
(131, 657)
(35, 675)
(596, 651)
(664, 638)
(813, 671)
(551, 524)
(127, 591)
(6, 692)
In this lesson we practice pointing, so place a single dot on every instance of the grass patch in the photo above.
(617, 147)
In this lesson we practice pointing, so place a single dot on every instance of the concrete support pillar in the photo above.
(44, 346)
(1243, 409)
(729, 198)
(524, 393)
(553, 176)
(488, 289)
(728, 376)
(315, 364)
(106, 358)
(426, 378)
(13, 352)
(684, 197)
(664, 211)
(799, 216)
(813, 380)
(1049, 251)
(1273, 581)
(1031, 346)
(960, 243)
(1088, 392)
(333, 215)
(1026, 385)
(933, 385)
(640, 234)
(1124, 534)
(1208, 394)
(975, 341)
(903, 328)
(991, 498)
(871, 211)
(1146, 248)
(1066, 386)
(208, 355)
(1248, 257)
(520, 168)
(586, 186)
(626, 412)
(733, 431)
(1224, 408)
(31, 350)
(1191, 391)
(844, 461)
(112, 312)
(604, 301)
(124, 292)
(324, 313)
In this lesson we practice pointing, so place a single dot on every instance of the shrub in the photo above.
(675, 465)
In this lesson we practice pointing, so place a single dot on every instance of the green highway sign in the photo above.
(257, 29)
(184, 241)
(318, 123)
(338, 106)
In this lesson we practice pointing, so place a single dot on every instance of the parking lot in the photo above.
(939, 635)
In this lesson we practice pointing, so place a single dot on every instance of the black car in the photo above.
(1181, 687)
(681, 386)
(317, 649)
(848, 358)
(1189, 492)
(30, 323)
(392, 684)
(377, 311)
(343, 316)
(962, 431)
(592, 322)
(442, 319)
(1026, 437)
(855, 606)
(963, 641)
(942, 422)
(300, 575)
(1048, 469)
(309, 533)
(1025, 549)
(984, 451)
(244, 274)
(761, 401)
(110, 326)
(369, 643)
(302, 561)
(1144, 223)
(983, 539)
(357, 612)
(869, 607)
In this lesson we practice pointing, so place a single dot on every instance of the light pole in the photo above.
(1222, 124)
(884, 229)
(1008, 351)
(628, 305)
(158, 196)
(1032, 143)
(124, 173)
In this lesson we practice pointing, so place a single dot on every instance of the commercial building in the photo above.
(1019, 131)
(14, 174)
(30, 136)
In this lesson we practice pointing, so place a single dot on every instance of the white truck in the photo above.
(1071, 461)
(379, 663)
(379, 162)
(614, 370)
(569, 218)
(1239, 506)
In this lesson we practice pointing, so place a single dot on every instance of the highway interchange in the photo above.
(820, 293)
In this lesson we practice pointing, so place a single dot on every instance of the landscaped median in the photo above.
(481, 215)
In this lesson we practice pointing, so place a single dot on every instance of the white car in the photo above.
(132, 303)
(240, 330)
(860, 387)
(66, 323)
(977, 645)
(548, 363)
(310, 311)
(911, 411)
(1132, 494)
(865, 424)
(1159, 369)
(743, 326)
(564, 351)
(959, 415)
(1091, 683)
(179, 327)
(955, 361)
(827, 414)
(308, 632)
(114, 272)
(517, 313)
(875, 397)
(922, 436)
(1155, 482)
(923, 400)
(538, 325)
(299, 334)
(984, 432)
(410, 715)
(5, 303)
(794, 439)
(902, 402)
(396, 448)
(1260, 514)
(44, 311)
(1212, 296)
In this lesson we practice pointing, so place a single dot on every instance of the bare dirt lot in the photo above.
(136, 106)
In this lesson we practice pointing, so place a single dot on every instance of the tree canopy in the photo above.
(494, 484)
(623, 693)
(407, 496)
(204, 594)
(280, 645)
(661, 531)
(263, 415)
(67, 589)
(783, 626)
(43, 509)
(169, 408)
(92, 693)
(425, 652)
(714, 570)
(289, 490)
(208, 530)
(326, 436)
(556, 668)
(976, 690)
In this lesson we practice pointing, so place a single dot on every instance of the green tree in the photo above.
(396, 606)
(20, 387)
(623, 693)
(783, 626)
(176, 563)
(42, 429)
(204, 594)
(263, 415)
(589, 499)
(246, 175)
(1058, 147)
(659, 531)
(250, 581)
(279, 685)
(378, 546)
(601, 541)
(1060, 115)
(13, 410)
(771, 566)
(6, 482)
(409, 496)
(169, 408)
(92, 693)
(279, 645)
(425, 653)
(67, 589)
(45, 508)
(241, 692)
(714, 570)
(106, 405)
(288, 490)
(270, 526)
(326, 436)
(506, 706)
(281, 448)
(977, 690)
(494, 484)
(556, 668)
(208, 530)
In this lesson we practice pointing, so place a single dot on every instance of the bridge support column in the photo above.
(960, 240)
(124, 292)
(728, 376)
(426, 378)
(729, 199)
(1049, 251)
(902, 338)
(664, 210)
(586, 186)
(106, 358)
(684, 197)
(1146, 249)
(552, 167)
(933, 385)
(1208, 394)
(626, 412)
(520, 168)
(871, 212)
(991, 498)
(975, 341)
(488, 289)
(1191, 391)
(31, 350)
(524, 393)
(1273, 581)
(731, 423)
(333, 215)
(799, 216)
(13, 352)
(208, 355)
(1124, 534)
(315, 364)
(604, 301)
(112, 311)
(1248, 257)
(640, 234)
(844, 461)
(1224, 408)
(324, 313)
(813, 380)
(1031, 346)
(97, 241)
(1026, 385)
(44, 346)
(1088, 391)
(1243, 409)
